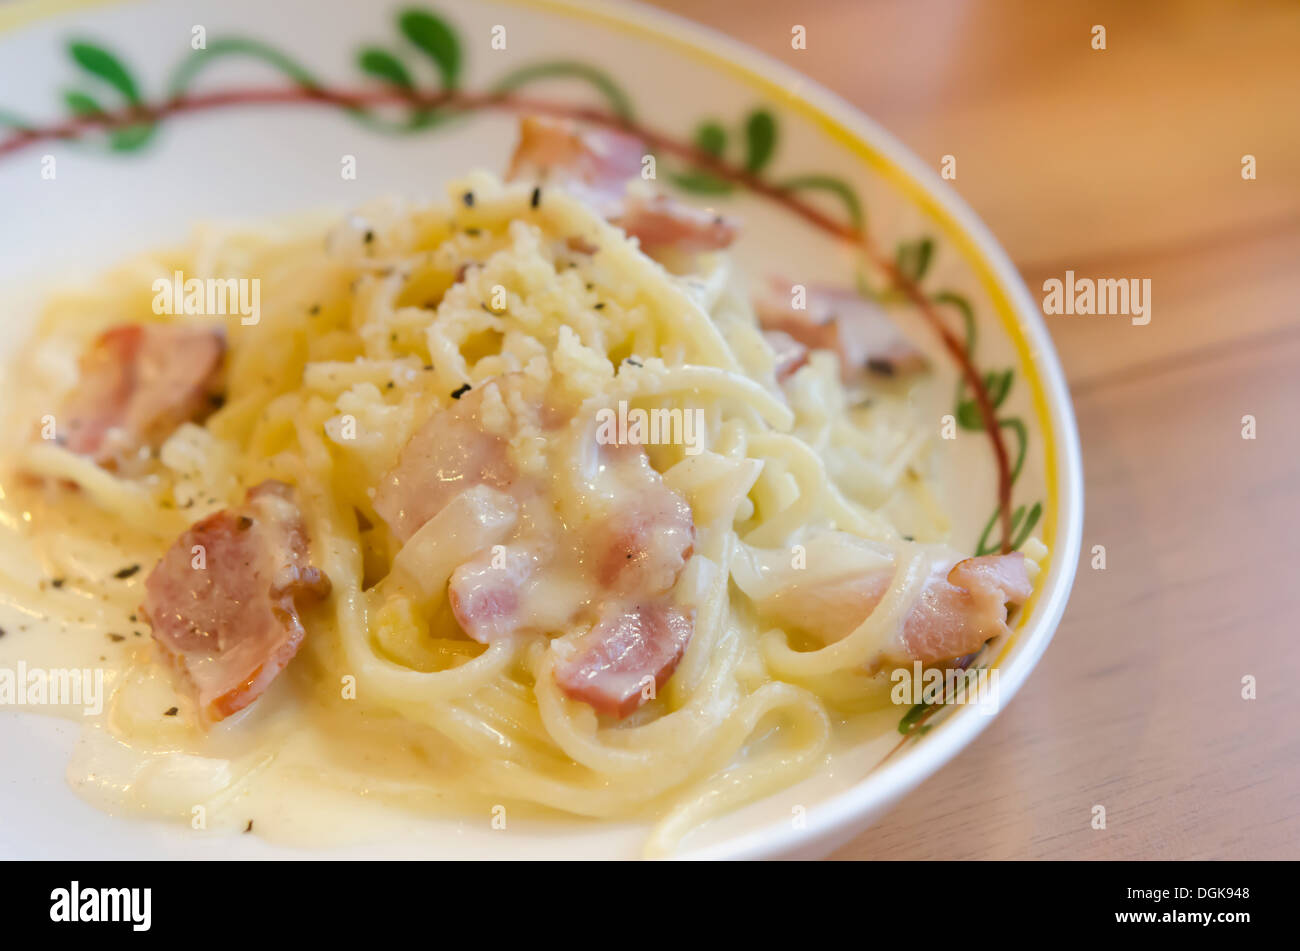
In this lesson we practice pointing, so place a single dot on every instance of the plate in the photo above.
(248, 110)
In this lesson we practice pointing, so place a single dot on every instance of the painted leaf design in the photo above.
(82, 104)
(997, 385)
(969, 415)
(913, 258)
(760, 140)
(131, 137)
(700, 183)
(1035, 514)
(617, 99)
(100, 62)
(125, 139)
(432, 35)
(967, 314)
(710, 137)
(913, 722)
(384, 65)
(837, 187)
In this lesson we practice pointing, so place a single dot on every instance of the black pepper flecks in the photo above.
(249, 827)
(460, 391)
(126, 572)
(171, 712)
(116, 638)
(58, 582)
(536, 199)
(468, 199)
(244, 523)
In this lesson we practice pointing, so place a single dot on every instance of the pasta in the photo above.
(507, 299)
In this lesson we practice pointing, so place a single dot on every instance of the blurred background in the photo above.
(1122, 163)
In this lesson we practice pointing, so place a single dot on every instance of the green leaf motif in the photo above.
(836, 186)
(967, 314)
(224, 47)
(700, 183)
(100, 62)
(969, 415)
(997, 385)
(384, 65)
(82, 104)
(710, 137)
(618, 100)
(131, 137)
(913, 258)
(1014, 424)
(1035, 514)
(912, 722)
(760, 140)
(432, 35)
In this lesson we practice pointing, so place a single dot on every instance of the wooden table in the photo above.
(1125, 162)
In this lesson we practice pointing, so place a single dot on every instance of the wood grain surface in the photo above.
(1122, 163)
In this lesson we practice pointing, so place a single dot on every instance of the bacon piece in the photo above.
(138, 382)
(636, 554)
(662, 222)
(447, 455)
(629, 647)
(961, 607)
(789, 353)
(487, 593)
(640, 538)
(645, 546)
(959, 613)
(229, 624)
(857, 330)
(596, 165)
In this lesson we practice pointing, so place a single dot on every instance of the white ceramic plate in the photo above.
(236, 159)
